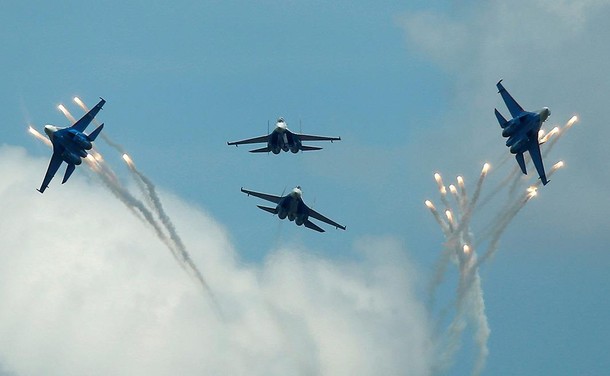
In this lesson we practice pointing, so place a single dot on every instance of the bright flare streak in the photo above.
(429, 204)
(81, 104)
(449, 215)
(549, 135)
(98, 157)
(452, 189)
(541, 134)
(460, 181)
(486, 167)
(439, 181)
(558, 165)
(443, 190)
(66, 113)
(571, 122)
(39, 136)
(128, 160)
(532, 192)
(466, 249)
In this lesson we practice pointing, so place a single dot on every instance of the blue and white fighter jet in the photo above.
(292, 207)
(70, 145)
(522, 131)
(284, 139)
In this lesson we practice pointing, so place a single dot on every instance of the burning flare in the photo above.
(486, 168)
(128, 160)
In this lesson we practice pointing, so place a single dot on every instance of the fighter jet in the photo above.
(522, 131)
(293, 207)
(284, 139)
(70, 144)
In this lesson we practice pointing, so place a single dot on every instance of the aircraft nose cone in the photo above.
(545, 113)
(49, 129)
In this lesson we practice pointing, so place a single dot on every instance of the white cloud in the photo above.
(87, 288)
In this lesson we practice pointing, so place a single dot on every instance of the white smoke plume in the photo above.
(87, 289)
(110, 180)
(461, 246)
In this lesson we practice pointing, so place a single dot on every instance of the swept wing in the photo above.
(320, 217)
(255, 140)
(83, 122)
(313, 226)
(264, 196)
(54, 164)
(534, 149)
(309, 137)
(514, 108)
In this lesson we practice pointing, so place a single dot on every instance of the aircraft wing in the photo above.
(83, 122)
(264, 196)
(255, 140)
(320, 217)
(534, 149)
(514, 107)
(313, 226)
(309, 137)
(54, 164)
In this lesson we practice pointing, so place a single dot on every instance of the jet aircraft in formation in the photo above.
(522, 131)
(70, 145)
(292, 207)
(283, 139)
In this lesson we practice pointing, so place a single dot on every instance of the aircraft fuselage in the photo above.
(292, 207)
(75, 143)
(521, 130)
(282, 139)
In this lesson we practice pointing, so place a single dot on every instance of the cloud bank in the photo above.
(87, 288)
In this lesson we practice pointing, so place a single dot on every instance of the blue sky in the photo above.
(410, 89)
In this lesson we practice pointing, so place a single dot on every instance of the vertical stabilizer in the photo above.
(500, 118)
(93, 135)
(521, 162)
(69, 170)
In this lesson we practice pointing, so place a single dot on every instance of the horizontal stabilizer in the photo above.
(500, 118)
(69, 170)
(261, 150)
(521, 162)
(313, 226)
(310, 148)
(267, 209)
(93, 135)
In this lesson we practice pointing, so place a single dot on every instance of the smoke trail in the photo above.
(147, 188)
(179, 249)
(460, 244)
(66, 113)
(482, 330)
(110, 181)
(39, 136)
(106, 139)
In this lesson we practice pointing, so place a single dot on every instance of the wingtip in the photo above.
(499, 85)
